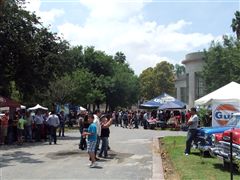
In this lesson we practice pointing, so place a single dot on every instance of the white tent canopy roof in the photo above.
(37, 107)
(228, 92)
(82, 108)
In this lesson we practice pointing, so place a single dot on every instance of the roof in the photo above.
(225, 93)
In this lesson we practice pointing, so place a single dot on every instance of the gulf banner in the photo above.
(222, 112)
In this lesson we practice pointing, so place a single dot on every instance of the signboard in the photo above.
(222, 112)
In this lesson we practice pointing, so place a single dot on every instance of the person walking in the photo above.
(91, 140)
(53, 122)
(192, 130)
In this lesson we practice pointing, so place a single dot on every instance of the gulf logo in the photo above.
(223, 113)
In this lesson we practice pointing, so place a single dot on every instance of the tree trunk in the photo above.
(106, 108)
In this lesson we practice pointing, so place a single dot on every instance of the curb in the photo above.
(157, 169)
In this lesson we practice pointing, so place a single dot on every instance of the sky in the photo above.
(146, 31)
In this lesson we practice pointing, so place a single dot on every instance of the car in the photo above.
(222, 149)
(206, 136)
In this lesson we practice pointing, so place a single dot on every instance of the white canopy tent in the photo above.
(229, 92)
(224, 102)
(37, 107)
(82, 108)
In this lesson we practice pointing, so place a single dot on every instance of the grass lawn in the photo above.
(194, 166)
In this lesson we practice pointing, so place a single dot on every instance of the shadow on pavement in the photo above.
(19, 157)
(32, 144)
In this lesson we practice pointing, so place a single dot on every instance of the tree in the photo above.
(157, 80)
(120, 57)
(164, 78)
(124, 88)
(60, 91)
(179, 69)
(236, 24)
(222, 63)
(31, 56)
(146, 80)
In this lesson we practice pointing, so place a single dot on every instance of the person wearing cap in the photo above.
(105, 124)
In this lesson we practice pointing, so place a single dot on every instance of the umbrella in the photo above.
(37, 107)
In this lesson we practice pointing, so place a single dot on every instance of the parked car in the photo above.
(206, 137)
(222, 149)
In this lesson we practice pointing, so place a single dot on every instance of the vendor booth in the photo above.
(7, 102)
(224, 102)
(163, 101)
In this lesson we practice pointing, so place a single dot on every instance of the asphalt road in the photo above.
(130, 158)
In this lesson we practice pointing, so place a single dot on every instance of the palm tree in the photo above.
(120, 57)
(236, 24)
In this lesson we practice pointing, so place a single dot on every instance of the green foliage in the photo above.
(202, 113)
(179, 69)
(222, 63)
(120, 57)
(147, 84)
(157, 80)
(236, 24)
(30, 54)
(38, 66)
(193, 166)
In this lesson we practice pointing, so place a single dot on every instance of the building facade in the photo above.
(190, 86)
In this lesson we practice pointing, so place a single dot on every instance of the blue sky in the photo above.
(148, 32)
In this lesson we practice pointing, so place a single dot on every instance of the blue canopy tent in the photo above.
(165, 99)
(173, 105)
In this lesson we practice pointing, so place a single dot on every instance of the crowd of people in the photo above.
(134, 119)
(94, 128)
(25, 126)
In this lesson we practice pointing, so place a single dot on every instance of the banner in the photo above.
(222, 112)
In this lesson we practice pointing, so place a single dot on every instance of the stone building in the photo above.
(190, 86)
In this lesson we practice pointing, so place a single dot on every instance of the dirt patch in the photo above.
(169, 171)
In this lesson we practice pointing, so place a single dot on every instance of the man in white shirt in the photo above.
(38, 120)
(53, 122)
(192, 130)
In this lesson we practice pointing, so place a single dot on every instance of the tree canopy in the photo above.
(37, 66)
(157, 80)
(222, 63)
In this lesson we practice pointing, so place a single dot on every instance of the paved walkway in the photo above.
(131, 157)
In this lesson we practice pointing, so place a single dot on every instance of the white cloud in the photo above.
(118, 25)
(47, 17)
